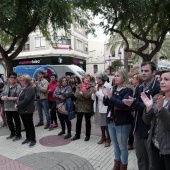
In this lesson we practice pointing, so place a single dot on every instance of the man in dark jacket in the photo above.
(151, 87)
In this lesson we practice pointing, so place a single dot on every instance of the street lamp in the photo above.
(120, 54)
(109, 64)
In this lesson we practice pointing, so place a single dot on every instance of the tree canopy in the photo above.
(147, 21)
(18, 18)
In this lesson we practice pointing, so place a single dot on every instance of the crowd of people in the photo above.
(132, 113)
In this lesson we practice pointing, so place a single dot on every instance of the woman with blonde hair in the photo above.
(119, 117)
(136, 80)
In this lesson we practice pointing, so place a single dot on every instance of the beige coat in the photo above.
(43, 88)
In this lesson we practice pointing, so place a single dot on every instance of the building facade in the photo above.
(99, 57)
(61, 50)
(95, 61)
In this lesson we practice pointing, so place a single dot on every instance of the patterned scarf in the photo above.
(85, 86)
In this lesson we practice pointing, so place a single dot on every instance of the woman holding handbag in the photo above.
(62, 92)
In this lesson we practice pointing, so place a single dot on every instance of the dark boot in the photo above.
(108, 140)
(103, 138)
(116, 165)
(123, 166)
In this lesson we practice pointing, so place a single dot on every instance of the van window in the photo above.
(68, 74)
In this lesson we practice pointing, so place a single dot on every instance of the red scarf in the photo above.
(85, 86)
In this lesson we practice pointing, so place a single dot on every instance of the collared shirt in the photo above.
(147, 87)
(38, 91)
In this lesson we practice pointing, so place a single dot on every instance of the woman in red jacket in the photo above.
(52, 101)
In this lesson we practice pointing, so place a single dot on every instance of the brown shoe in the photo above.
(130, 147)
(108, 142)
(46, 126)
(102, 140)
(116, 165)
(123, 166)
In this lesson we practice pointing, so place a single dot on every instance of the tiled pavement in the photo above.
(54, 153)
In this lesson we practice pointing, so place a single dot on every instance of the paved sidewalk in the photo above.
(52, 152)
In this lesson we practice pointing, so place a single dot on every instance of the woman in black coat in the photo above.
(25, 106)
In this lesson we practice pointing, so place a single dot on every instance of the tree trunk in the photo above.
(146, 58)
(8, 62)
(155, 59)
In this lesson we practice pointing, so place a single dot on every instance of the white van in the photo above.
(59, 70)
(64, 70)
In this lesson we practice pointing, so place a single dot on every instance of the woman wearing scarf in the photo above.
(84, 107)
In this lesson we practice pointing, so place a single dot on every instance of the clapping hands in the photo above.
(148, 102)
(107, 92)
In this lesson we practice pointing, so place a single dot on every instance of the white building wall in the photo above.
(95, 61)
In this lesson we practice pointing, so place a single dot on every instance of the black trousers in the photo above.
(53, 116)
(79, 123)
(14, 115)
(131, 137)
(64, 119)
(142, 153)
(159, 162)
(27, 120)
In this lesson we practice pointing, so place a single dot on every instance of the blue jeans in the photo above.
(43, 105)
(119, 136)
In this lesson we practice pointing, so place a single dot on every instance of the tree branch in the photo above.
(25, 37)
(135, 17)
(2, 51)
(9, 33)
(11, 48)
(122, 35)
(145, 46)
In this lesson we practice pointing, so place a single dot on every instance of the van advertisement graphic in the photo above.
(34, 69)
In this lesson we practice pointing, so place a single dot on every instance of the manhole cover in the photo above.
(54, 141)
(55, 161)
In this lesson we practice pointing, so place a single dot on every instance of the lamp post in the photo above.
(120, 54)
(109, 64)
